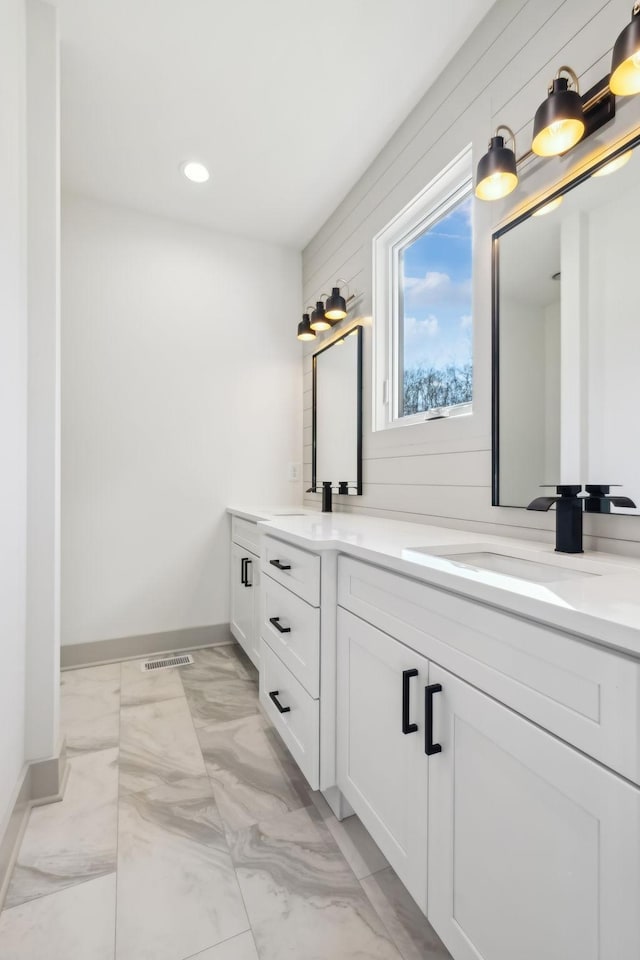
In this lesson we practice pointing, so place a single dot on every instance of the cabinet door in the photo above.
(382, 770)
(254, 641)
(241, 597)
(533, 848)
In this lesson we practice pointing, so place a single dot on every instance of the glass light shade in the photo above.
(625, 62)
(318, 320)
(614, 165)
(496, 176)
(549, 207)
(304, 329)
(559, 121)
(336, 306)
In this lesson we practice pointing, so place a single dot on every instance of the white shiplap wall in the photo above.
(440, 472)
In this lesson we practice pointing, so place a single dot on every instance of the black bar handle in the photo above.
(407, 727)
(243, 571)
(274, 696)
(280, 566)
(246, 574)
(429, 746)
(276, 623)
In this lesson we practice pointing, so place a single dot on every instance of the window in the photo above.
(423, 304)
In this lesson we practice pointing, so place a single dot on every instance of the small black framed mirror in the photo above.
(337, 415)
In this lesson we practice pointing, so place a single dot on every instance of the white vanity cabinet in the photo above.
(512, 841)
(245, 583)
(534, 849)
(380, 749)
(290, 631)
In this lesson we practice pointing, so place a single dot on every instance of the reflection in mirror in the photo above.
(337, 415)
(567, 340)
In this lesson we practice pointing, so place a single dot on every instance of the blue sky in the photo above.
(437, 293)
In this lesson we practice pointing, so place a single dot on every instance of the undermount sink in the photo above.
(531, 570)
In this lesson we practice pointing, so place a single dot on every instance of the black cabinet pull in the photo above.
(429, 746)
(246, 573)
(243, 571)
(276, 623)
(274, 696)
(407, 727)
(280, 566)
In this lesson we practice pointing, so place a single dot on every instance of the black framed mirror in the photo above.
(337, 415)
(566, 337)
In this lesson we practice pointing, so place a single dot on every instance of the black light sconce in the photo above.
(559, 122)
(304, 328)
(566, 117)
(625, 63)
(336, 306)
(318, 320)
(325, 315)
(497, 175)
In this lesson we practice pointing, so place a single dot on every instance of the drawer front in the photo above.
(292, 629)
(296, 569)
(588, 696)
(299, 724)
(245, 533)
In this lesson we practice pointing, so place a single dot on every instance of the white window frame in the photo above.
(445, 191)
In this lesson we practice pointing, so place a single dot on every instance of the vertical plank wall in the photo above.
(440, 472)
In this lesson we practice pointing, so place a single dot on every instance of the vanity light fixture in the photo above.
(496, 175)
(559, 120)
(548, 207)
(625, 63)
(614, 165)
(336, 305)
(304, 328)
(318, 320)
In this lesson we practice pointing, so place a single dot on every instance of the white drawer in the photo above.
(585, 694)
(296, 569)
(246, 534)
(299, 722)
(292, 629)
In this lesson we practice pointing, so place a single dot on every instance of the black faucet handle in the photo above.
(599, 501)
(542, 503)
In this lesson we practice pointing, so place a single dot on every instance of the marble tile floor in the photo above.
(187, 832)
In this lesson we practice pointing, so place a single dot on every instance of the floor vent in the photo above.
(166, 662)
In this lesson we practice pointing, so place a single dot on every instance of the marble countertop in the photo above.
(603, 605)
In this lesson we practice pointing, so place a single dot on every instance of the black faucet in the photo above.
(568, 516)
(327, 506)
(599, 501)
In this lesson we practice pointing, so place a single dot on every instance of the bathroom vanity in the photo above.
(476, 701)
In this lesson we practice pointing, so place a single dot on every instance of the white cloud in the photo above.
(430, 344)
(466, 322)
(437, 288)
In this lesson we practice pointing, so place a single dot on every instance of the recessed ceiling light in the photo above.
(196, 172)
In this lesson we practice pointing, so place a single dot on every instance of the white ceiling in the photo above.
(286, 101)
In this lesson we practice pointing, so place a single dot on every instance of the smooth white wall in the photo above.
(13, 397)
(181, 378)
(43, 448)
(500, 76)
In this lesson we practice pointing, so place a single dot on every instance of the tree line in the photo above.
(428, 387)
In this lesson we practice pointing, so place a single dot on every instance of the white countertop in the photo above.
(604, 608)
(269, 513)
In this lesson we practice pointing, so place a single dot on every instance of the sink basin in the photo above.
(531, 570)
